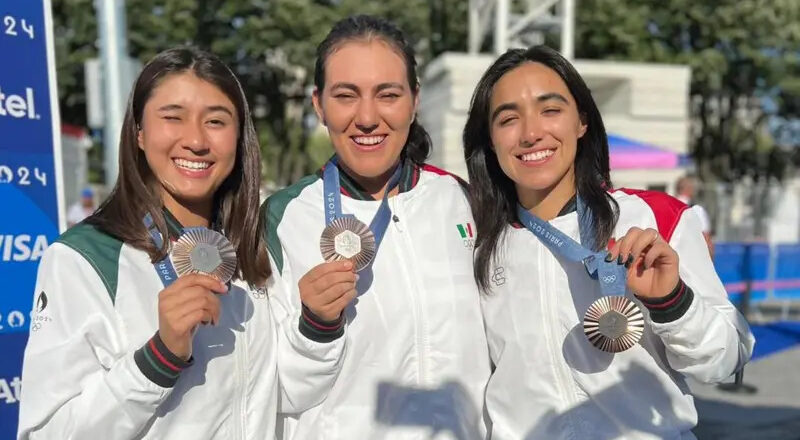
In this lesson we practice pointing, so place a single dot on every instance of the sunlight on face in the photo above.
(367, 105)
(535, 127)
(188, 134)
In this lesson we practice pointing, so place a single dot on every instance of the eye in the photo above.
(551, 111)
(344, 96)
(172, 118)
(217, 122)
(389, 96)
(507, 120)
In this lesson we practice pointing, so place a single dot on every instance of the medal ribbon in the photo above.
(332, 200)
(164, 268)
(612, 276)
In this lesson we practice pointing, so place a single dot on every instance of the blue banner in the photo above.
(30, 186)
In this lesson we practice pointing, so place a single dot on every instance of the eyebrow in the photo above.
(380, 87)
(541, 98)
(219, 108)
(503, 107)
(389, 85)
(170, 107)
(344, 85)
(552, 95)
(211, 108)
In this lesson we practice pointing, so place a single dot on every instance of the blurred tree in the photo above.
(270, 45)
(740, 52)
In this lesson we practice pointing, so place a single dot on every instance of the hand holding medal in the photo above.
(198, 267)
(652, 264)
(328, 288)
(613, 323)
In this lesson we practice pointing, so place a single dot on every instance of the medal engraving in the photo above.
(347, 244)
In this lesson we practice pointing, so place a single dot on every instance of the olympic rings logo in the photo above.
(609, 279)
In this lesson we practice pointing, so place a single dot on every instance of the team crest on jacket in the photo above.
(466, 231)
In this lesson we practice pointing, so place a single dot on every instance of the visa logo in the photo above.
(22, 247)
(18, 106)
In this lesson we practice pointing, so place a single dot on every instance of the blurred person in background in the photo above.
(82, 208)
(415, 359)
(686, 191)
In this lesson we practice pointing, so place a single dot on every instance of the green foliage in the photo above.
(743, 55)
(270, 45)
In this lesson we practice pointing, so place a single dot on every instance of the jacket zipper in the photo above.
(563, 380)
(407, 257)
(240, 404)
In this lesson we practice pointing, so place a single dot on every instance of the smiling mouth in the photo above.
(368, 141)
(536, 156)
(192, 165)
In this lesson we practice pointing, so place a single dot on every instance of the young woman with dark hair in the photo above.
(416, 358)
(124, 348)
(575, 355)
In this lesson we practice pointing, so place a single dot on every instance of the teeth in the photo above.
(369, 140)
(537, 155)
(192, 165)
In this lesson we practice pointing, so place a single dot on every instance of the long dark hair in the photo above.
(135, 193)
(493, 195)
(367, 27)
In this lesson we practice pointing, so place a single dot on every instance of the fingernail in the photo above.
(609, 257)
(348, 264)
(357, 277)
(619, 259)
(629, 262)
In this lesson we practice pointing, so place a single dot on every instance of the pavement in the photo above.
(769, 411)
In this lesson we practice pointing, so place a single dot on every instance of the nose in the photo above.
(367, 118)
(194, 138)
(531, 131)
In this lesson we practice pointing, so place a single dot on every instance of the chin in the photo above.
(370, 167)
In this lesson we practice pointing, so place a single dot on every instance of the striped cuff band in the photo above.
(671, 307)
(158, 364)
(315, 328)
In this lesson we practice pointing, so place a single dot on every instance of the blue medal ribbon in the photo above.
(333, 200)
(164, 267)
(610, 275)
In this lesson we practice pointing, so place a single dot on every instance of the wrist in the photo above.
(158, 363)
(670, 307)
(317, 329)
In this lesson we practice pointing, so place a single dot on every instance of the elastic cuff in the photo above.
(671, 307)
(315, 328)
(159, 364)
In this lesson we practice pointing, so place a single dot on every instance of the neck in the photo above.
(197, 214)
(547, 203)
(374, 186)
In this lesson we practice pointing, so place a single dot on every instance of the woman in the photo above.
(537, 156)
(416, 358)
(124, 352)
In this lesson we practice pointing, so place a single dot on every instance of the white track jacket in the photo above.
(416, 361)
(94, 370)
(551, 383)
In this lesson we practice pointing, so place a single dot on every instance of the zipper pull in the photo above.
(396, 221)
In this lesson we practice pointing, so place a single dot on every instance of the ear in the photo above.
(316, 100)
(139, 137)
(416, 104)
(582, 127)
